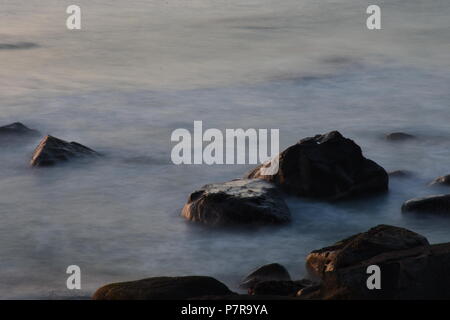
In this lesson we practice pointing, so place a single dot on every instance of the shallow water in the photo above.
(135, 73)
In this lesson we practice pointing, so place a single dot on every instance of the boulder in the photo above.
(268, 272)
(327, 166)
(362, 246)
(437, 204)
(14, 131)
(399, 136)
(416, 273)
(163, 288)
(51, 151)
(410, 268)
(244, 202)
(444, 180)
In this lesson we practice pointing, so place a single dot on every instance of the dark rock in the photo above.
(279, 288)
(417, 273)
(51, 151)
(309, 292)
(362, 246)
(438, 204)
(267, 272)
(444, 180)
(410, 267)
(15, 131)
(400, 174)
(237, 202)
(326, 166)
(399, 136)
(163, 288)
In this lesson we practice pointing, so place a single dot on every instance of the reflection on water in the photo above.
(134, 74)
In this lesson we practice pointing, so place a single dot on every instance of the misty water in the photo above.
(138, 70)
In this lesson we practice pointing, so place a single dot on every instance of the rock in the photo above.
(417, 273)
(400, 174)
(362, 246)
(326, 166)
(51, 151)
(279, 288)
(163, 288)
(267, 272)
(15, 131)
(438, 204)
(399, 136)
(249, 201)
(444, 180)
(410, 267)
(309, 292)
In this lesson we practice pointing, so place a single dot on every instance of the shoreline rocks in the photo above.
(436, 204)
(238, 202)
(327, 166)
(163, 288)
(410, 267)
(362, 246)
(52, 151)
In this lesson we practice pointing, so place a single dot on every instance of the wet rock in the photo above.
(362, 246)
(400, 174)
(248, 201)
(163, 288)
(273, 271)
(279, 288)
(327, 166)
(444, 180)
(437, 204)
(399, 136)
(16, 131)
(51, 151)
(410, 267)
(417, 273)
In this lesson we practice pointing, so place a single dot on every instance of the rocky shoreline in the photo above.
(326, 167)
(411, 268)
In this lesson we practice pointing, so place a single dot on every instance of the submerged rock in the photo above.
(399, 136)
(444, 180)
(248, 201)
(51, 151)
(14, 131)
(439, 204)
(362, 246)
(268, 272)
(400, 174)
(326, 166)
(163, 288)
(410, 268)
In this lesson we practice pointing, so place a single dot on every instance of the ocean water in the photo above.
(138, 70)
